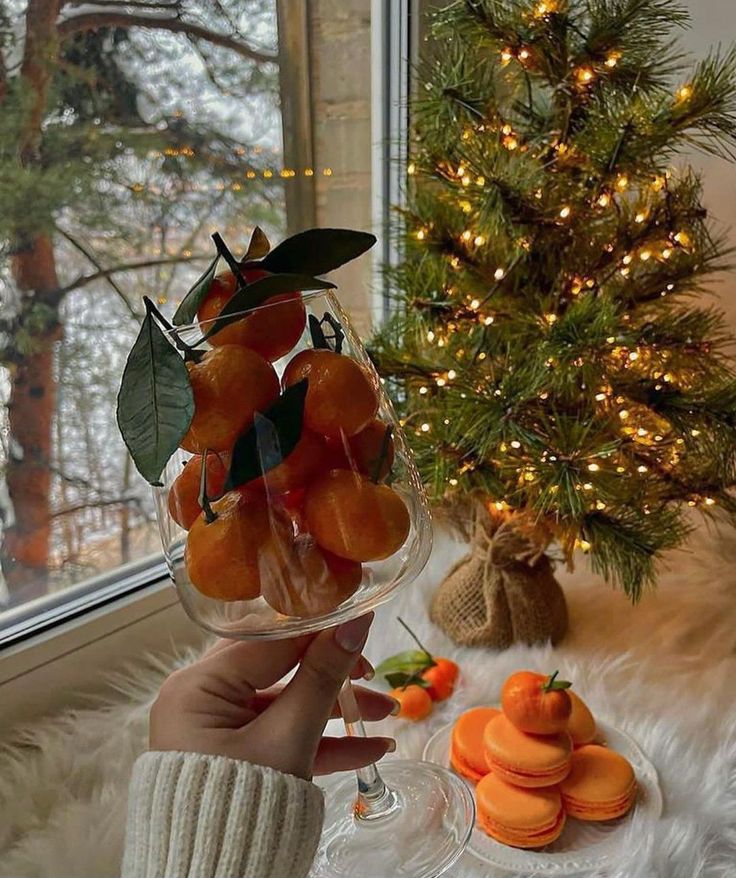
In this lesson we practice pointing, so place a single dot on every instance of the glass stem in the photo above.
(375, 799)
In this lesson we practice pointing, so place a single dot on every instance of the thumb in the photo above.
(311, 693)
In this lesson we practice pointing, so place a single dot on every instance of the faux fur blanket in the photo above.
(664, 671)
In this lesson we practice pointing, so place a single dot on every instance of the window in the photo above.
(158, 124)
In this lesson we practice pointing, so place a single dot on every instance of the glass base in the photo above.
(428, 823)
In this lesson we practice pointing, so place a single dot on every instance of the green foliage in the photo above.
(546, 351)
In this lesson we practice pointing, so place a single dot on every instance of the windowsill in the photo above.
(68, 654)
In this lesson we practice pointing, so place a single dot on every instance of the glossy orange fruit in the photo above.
(341, 397)
(309, 457)
(415, 703)
(311, 581)
(363, 451)
(441, 678)
(183, 498)
(271, 330)
(230, 557)
(230, 384)
(354, 518)
(535, 703)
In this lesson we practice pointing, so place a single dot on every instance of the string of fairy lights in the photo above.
(647, 441)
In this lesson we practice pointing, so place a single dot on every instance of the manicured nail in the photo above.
(390, 745)
(369, 674)
(396, 707)
(351, 635)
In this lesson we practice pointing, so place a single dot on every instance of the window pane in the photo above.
(115, 170)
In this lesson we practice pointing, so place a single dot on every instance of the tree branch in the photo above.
(93, 259)
(84, 280)
(95, 20)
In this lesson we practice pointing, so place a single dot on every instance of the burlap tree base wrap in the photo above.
(503, 591)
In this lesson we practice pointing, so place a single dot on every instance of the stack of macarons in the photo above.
(535, 763)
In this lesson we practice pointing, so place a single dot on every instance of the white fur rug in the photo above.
(664, 671)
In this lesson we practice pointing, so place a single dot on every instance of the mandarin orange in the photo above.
(311, 581)
(535, 703)
(229, 558)
(354, 518)
(441, 679)
(271, 330)
(414, 702)
(183, 497)
(230, 384)
(309, 457)
(341, 397)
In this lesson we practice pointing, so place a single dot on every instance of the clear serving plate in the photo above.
(582, 846)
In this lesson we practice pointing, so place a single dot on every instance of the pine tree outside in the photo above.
(124, 145)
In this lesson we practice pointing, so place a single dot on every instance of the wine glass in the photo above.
(336, 524)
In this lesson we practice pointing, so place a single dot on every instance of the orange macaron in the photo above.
(581, 724)
(601, 784)
(526, 760)
(467, 756)
(518, 817)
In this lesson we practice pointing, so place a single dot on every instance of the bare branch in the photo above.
(97, 504)
(84, 280)
(93, 259)
(95, 20)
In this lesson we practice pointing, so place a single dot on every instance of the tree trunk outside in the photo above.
(26, 542)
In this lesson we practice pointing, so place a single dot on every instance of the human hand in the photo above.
(226, 704)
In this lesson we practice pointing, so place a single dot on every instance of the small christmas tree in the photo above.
(547, 355)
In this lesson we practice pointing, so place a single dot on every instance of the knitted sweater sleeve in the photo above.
(194, 816)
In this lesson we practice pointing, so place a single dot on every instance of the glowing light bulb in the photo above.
(453, 482)
(423, 390)
(440, 382)
(421, 235)
(510, 142)
(430, 336)
(479, 240)
(584, 545)
(466, 181)
(622, 182)
(623, 414)
(709, 501)
(593, 467)
(452, 374)
(411, 169)
(642, 432)
(475, 304)
(604, 199)
(645, 255)
(499, 274)
(550, 318)
(628, 259)
(684, 92)
(633, 356)
(524, 55)
(480, 181)
(695, 432)
(488, 321)
(584, 75)
(612, 59)
(565, 212)
(425, 428)
(683, 239)
(640, 217)
(466, 235)
(600, 397)
(506, 55)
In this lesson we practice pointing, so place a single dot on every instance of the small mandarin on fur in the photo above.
(272, 330)
(581, 724)
(310, 581)
(414, 702)
(341, 397)
(441, 678)
(354, 518)
(230, 557)
(519, 817)
(466, 750)
(601, 784)
(230, 384)
(532, 706)
(183, 499)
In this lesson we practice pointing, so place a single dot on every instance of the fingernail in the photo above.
(390, 745)
(369, 674)
(351, 635)
(396, 707)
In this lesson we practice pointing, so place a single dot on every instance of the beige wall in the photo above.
(714, 22)
(340, 50)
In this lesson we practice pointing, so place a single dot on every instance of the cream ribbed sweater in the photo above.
(194, 816)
